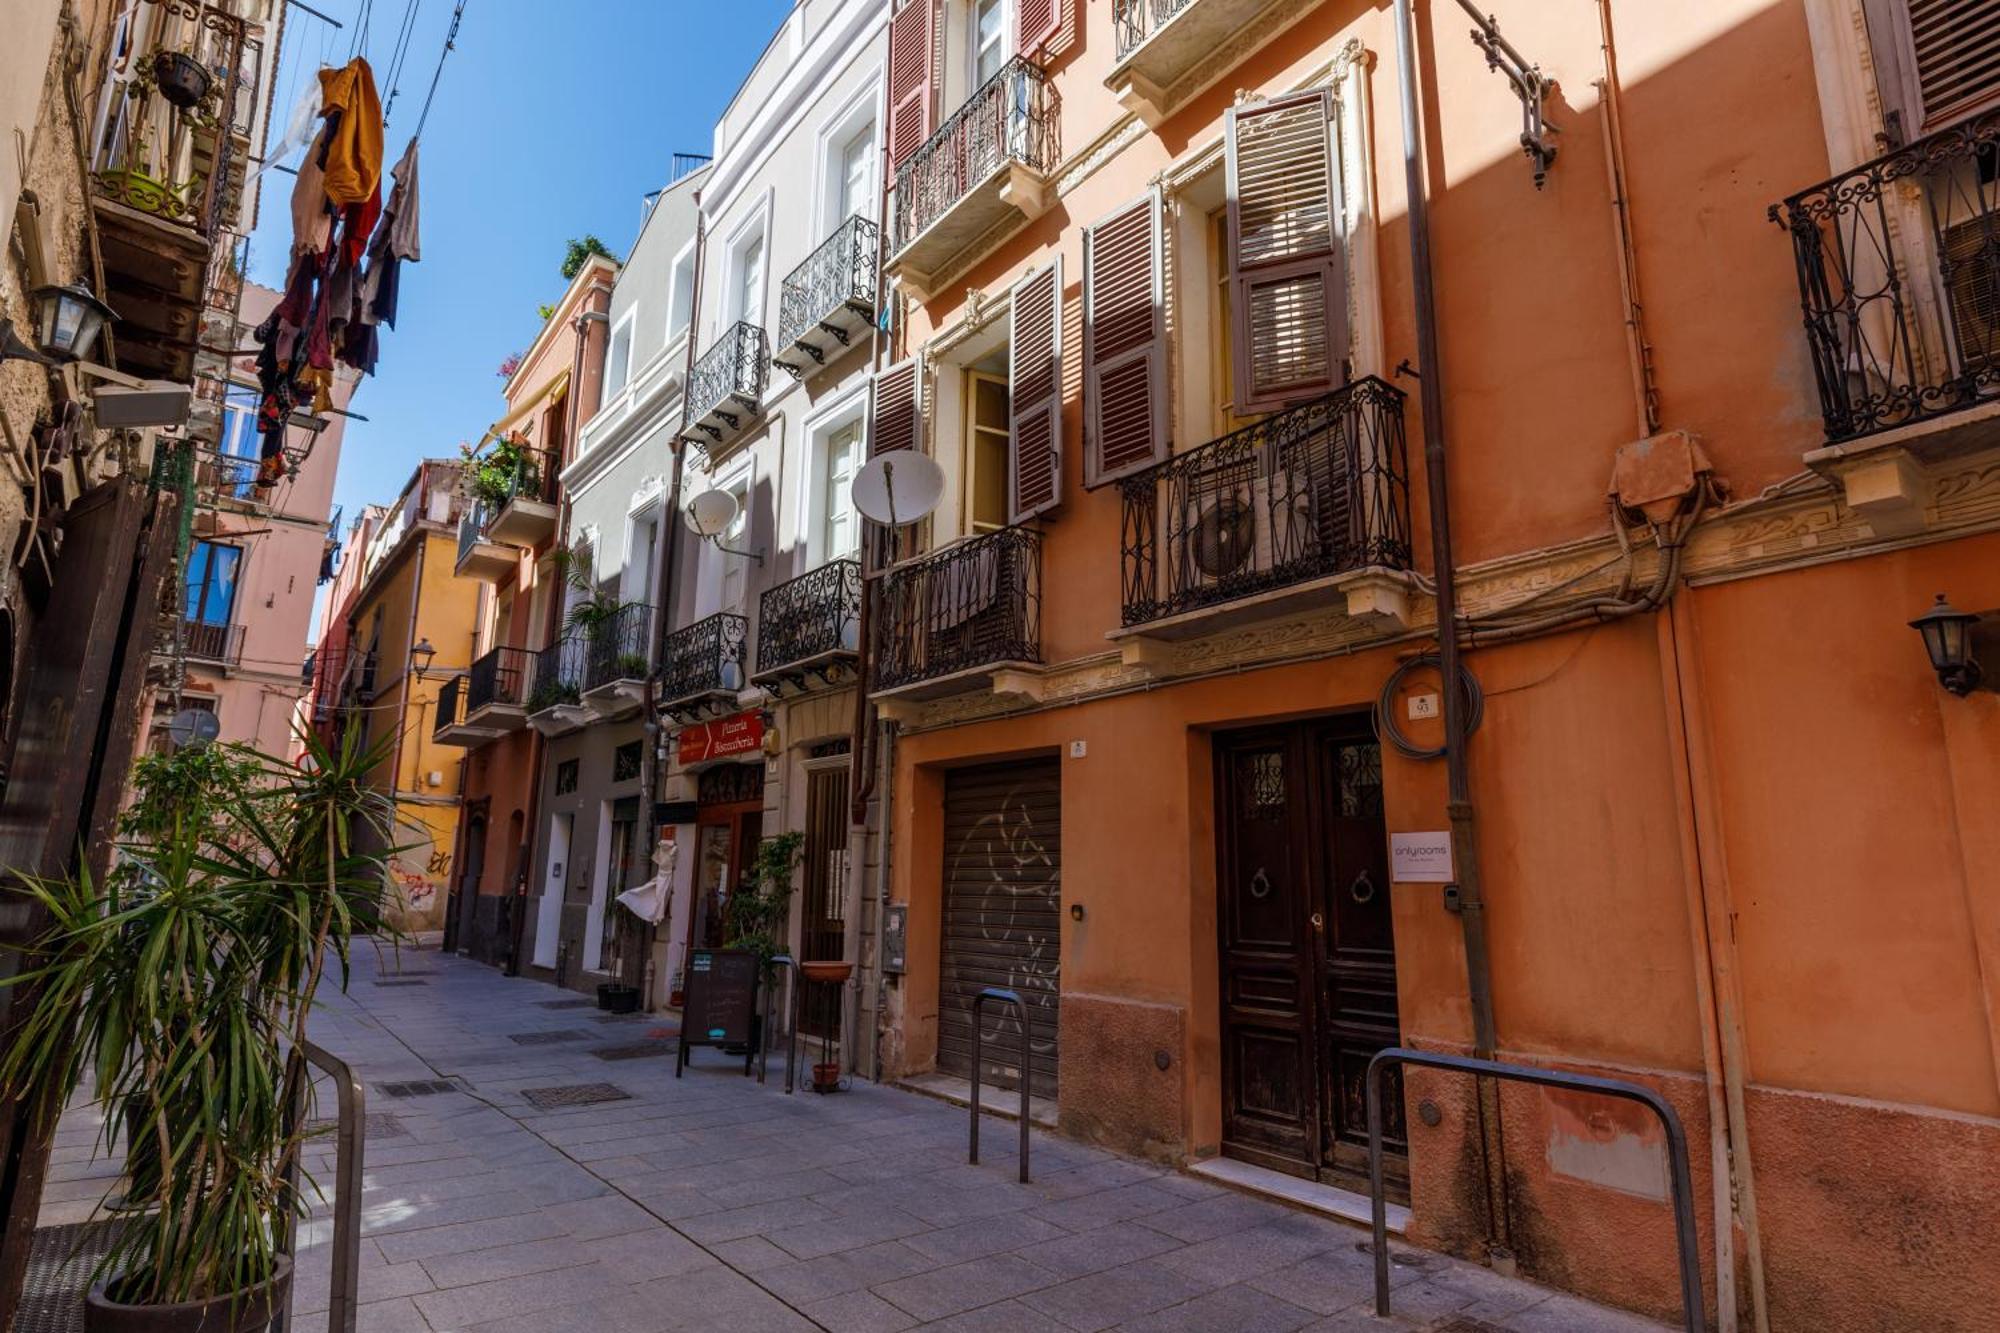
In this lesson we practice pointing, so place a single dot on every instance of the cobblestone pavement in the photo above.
(714, 1203)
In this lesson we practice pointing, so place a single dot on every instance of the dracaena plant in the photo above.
(179, 985)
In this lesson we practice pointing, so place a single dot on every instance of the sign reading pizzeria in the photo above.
(739, 733)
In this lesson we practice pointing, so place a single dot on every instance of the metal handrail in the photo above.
(1001, 996)
(1677, 1156)
(792, 1037)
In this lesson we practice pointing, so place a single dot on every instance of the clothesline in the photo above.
(450, 41)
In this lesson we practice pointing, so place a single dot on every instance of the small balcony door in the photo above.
(840, 527)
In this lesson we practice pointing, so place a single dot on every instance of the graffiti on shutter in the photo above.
(1125, 381)
(1289, 312)
(1034, 365)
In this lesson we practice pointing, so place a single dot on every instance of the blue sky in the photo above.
(550, 120)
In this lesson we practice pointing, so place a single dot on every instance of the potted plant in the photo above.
(753, 917)
(594, 611)
(632, 666)
(181, 79)
(549, 693)
(508, 469)
(181, 981)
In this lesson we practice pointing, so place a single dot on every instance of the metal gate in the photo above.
(1002, 916)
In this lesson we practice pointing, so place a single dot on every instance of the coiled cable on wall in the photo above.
(1385, 707)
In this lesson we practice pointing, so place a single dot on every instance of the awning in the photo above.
(551, 391)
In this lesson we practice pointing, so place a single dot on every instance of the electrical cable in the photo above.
(399, 58)
(450, 42)
(1385, 711)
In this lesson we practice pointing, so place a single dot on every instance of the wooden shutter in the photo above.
(1288, 272)
(910, 79)
(1936, 61)
(1034, 394)
(895, 409)
(1124, 343)
(1036, 23)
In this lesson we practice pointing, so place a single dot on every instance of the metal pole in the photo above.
(1680, 1177)
(1001, 996)
(342, 1302)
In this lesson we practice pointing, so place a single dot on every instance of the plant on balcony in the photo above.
(549, 693)
(632, 666)
(180, 984)
(753, 918)
(594, 608)
(496, 476)
(579, 251)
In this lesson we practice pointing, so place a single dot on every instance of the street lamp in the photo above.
(1947, 633)
(421, 656)
(67, 321)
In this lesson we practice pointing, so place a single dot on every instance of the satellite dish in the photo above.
(192, 726)
(711, 513)
(898, 488)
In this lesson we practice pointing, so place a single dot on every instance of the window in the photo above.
(986, 448)
(1934, 61)
(211, 582)
(736, 568)
(749, 290)
(644, 557)
(854, 183)
(239, 441)
(680, 295)
(989, 39)
(840, 527)
(618, 359)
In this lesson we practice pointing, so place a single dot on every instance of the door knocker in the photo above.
(1362, 890)
(1260, 884)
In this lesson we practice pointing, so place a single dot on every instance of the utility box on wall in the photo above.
(895, 939)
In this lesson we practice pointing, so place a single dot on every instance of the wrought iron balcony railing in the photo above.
(726, 386)
(558, 675)
(1011, 118)
(975, 603)
(825, 300)
(472, 527)
(812, 618)
(528, 474)
(1317, 489)
(450, 706)
(208, 642)
(705, 658)
(618, 646)
(499, 677)
(1133, 21)
(220, 476)
(1899, 278)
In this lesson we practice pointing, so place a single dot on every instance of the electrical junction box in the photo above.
(895, 939)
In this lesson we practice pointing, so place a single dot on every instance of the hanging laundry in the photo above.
(354, 140)
(312, 221)
(394, 242)
(402, 209)
(300, 127)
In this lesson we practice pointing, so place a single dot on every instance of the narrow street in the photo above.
(715, 1203)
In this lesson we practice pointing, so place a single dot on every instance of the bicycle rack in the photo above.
(1000, 996)
(1677, 1156)
(351, 1101)
(791, 1037)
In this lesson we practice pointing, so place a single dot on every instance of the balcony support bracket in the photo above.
(1142, 97)
(1378, 596)
(1890, 490)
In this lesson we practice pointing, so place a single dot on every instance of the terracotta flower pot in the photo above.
(829, 972)
(249, 1311)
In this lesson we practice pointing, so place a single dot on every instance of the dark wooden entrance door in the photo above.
(1308, 964)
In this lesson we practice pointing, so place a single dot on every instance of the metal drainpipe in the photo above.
(1458, 784)
(670, 540)
(861, 768)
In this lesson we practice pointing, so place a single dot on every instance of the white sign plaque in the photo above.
(1421, 858)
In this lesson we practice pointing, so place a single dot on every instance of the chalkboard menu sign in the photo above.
(720, 1004)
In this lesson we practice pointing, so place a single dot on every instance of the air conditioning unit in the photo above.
(1254, 526)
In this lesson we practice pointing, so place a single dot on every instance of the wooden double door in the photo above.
(1308, 953)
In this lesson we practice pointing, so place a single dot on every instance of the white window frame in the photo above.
(715, 564)
(851, 408)
(625, 324)
(633, 579)
(973, 81)
(860, 114)
(756, 226)
(680, 286)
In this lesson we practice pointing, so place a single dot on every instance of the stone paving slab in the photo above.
(710, 1202)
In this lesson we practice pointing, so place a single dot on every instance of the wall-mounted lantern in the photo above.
(421, 657)
(67, 321)
(1949, 642)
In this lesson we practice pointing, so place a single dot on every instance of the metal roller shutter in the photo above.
(1002, 916)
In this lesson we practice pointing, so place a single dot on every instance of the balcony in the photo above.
(167, 180)
(479, 556)
(1161, 42)
(1306, 507)
(725, 393)
(496, 693)
(524, 508)
(1899, 265)
(228, 481)
(618, 660)
(216, 645)
(963, 619)
(809, 629)
(828, 301)
(990, 163)
(703, 668)
(449, 727)
(555, 704)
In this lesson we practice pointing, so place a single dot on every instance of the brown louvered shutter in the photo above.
(910, 79)
(895, 408)
(1034, 389)
(1288, 307)
(1036, 23)
(1124, 343)
(1936, 61)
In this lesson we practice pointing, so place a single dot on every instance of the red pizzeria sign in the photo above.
(739, 733)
